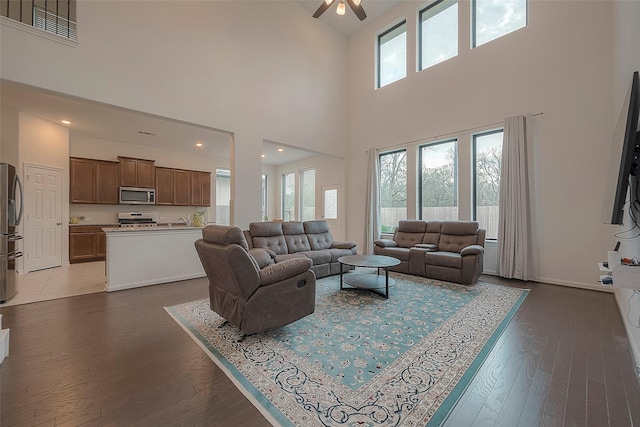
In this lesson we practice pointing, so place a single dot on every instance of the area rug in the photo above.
(361, 359)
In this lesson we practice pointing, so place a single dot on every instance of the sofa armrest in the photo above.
(262, 257)
(344, 245)
(427, 246)
(472, 250)
(385, 243)
(283, 270)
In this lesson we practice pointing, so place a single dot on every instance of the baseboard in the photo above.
(579, 285)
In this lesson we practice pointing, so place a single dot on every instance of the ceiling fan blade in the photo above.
(324, 6)
(357, 9)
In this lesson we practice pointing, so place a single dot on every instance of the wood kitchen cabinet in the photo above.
(139, 173)
(93, 181)
(200, 188)
(178, 187)
(164, 186)
(87, 243)
(181, 187)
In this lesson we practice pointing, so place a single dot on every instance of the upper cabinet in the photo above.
(98, 181)
(93, 181)
(137, 172)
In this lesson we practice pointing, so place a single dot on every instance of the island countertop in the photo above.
(149, 229)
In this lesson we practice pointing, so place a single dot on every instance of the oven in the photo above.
(138, 219)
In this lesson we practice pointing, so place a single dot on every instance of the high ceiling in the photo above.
(348, 24)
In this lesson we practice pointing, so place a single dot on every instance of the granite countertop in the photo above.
(157, 228)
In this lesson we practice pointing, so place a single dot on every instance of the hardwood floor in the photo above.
(118, 359)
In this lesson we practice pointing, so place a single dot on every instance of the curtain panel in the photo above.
(516, 239)
(372, 217)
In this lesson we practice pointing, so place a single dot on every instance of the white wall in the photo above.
(9, 121)
(259, 70)
(561, 64)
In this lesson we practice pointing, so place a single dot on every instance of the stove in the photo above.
(137, 219)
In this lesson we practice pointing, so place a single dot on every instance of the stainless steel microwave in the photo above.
(137, 196)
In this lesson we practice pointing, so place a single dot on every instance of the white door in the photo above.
(331, 210)
(43, 216)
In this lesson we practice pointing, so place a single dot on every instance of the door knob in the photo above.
(58, 223)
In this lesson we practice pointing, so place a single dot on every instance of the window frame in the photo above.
(456, 169)
(390, 30)
(474, 41)
(474, 173)
(301, 192)
(420, 31)
(283, 195)
(380, 155)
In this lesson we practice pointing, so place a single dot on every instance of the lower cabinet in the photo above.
(87, 243)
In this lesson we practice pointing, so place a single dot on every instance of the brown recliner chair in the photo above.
(247, 289)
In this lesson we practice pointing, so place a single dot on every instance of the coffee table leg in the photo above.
(341, 275)
(386, 273)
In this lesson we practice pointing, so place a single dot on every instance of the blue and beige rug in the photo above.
(361, 359)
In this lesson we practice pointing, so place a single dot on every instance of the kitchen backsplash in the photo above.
(108, 214)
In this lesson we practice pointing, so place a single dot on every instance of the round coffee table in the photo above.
(370, 282)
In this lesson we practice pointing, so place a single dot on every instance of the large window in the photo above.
(393, 189)
(487, 153)
(307, 194)
(439, 181)
(438, 28)
(392, 55)
(493, 19)
(288, 197)
(223, 196)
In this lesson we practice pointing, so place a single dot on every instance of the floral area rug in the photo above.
(361, 359)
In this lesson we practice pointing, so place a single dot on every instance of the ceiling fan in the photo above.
(354, 4)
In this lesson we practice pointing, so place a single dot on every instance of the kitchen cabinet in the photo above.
(87, 243)
(137, 172)
(93, 181)
(200, 188)
(164, 186)
(181, 187)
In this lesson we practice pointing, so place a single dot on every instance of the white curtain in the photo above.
(372, 218)
(516, 238)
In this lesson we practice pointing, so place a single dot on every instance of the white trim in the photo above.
(37, 32)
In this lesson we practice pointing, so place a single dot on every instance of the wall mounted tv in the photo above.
(624, 166)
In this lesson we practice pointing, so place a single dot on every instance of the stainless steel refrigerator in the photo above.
(10, 217)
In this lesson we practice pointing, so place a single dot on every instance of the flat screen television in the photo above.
(624, 166)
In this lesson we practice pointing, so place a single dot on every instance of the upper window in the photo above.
(439, 181)
(438, 28)
(495, 18)
(487, 154)
(392, 54)
(393, 189)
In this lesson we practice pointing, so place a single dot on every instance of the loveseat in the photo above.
(297, 239)
(452, 251)
(247, 288)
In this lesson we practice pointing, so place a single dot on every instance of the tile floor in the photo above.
(59, 282)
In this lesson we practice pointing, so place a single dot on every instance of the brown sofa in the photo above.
(445, 250)
(296, 239)
(247, 288)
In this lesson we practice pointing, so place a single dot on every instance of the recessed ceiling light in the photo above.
(198, 144)
(263, 156)
(65, 122)
(280, 150)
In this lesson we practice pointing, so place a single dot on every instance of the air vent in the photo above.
(142, 132)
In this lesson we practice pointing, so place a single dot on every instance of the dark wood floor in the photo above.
(118, 359)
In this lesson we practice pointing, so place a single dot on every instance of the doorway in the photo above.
(43, 218)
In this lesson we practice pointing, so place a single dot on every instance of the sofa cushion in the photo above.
(400, 253)
(319, 234)
(432, 233)
(284, 257)
(443, 259)
(337, 253)
(409, 232)
(295, 237)
(268, 235)
(456, 235)
(318, 257)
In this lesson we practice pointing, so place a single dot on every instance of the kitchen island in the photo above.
(151, 255)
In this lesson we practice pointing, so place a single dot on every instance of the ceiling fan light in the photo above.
(356, 2)
(341, 8)
(328, 2)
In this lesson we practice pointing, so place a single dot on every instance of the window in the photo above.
(223, 196)
(307, 194)
(392, 55)
(493, 19)
(487, 155)
(288, 197)
(438, 28)
(393, 189)
(265, 213)
(330, 203)
(439, 181)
